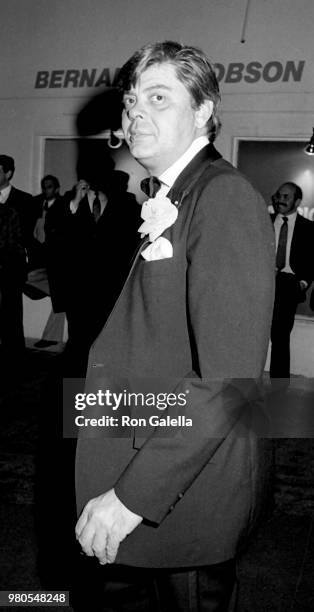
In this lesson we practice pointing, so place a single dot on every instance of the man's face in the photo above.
(285, 202)
(50, 191)
(158, 121)
(4, 178)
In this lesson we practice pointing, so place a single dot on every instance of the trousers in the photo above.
(127, 589)
(287, 296)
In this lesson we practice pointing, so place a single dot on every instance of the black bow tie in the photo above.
(150, 186)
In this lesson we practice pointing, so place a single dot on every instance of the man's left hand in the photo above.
(103, 524)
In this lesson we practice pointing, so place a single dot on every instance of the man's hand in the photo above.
(303, 285)
(81, 189)
(103, 524)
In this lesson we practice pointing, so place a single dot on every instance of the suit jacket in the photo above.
(52, 253)
(99, 254)
(12, 252)
(53, 223)
(198, 324)
(22, 202)
(302, 249)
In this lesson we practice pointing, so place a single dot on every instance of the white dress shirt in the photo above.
(4, 194)
(91, 197)
(169, 176)
(45, 206)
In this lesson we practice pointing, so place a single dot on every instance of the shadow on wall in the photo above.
(102, 113)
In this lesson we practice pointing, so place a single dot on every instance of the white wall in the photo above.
(58, 35)
(51, 35)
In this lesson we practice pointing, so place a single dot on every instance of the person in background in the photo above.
(17, 229)
(42, 203)
(168, 508)
(45, 258)
(12, 277)
(102, 236)
(295, 272)
(20, 200)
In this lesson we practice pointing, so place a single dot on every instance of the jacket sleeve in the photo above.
(230, 254)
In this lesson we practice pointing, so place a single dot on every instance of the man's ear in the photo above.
(203, 113)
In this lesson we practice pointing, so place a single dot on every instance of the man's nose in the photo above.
(135, 111)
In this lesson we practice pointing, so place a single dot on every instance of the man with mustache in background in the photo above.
(295, 272)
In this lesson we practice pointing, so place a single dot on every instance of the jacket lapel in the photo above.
(189, 175)
(181, 187)
(295, 236)
(11, 196)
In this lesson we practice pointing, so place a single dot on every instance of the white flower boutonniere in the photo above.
(158, 213)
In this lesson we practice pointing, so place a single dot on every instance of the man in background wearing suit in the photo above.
(100, 212)
(295, 272)
(22, 223)
(20, 200)
(46, 259)
(12, 277)
(192, 324)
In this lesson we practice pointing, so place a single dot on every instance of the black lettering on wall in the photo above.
(272, 72)
(104, 78)
(234, 73)
(71, 78)
(219, 71)
(253, 70)
(87, 78)
(41, 79)
(56, 78)
(292, 70)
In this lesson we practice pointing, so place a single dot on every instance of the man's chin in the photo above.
(141, 154)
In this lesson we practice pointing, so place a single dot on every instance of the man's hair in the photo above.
(7, 163)
(193, 69)
(53, 179)
(298, 193)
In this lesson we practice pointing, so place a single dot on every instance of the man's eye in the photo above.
(128, 101)
(158, 98)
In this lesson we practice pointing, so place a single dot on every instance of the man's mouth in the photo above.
(137, 136)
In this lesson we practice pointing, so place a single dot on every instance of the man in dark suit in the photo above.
(12, 277)
(295, 272)
(21, 202)
(191, 328)
(46, 259)
(99, 210)
(44, 206)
